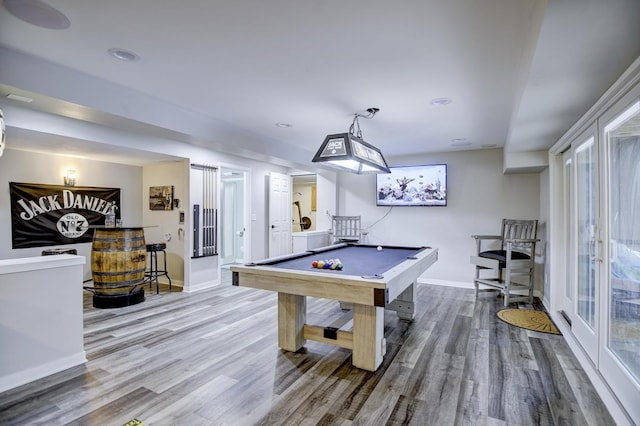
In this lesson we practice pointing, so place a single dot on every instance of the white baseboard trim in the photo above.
(445, 283)
(464, 284)
(200, 286)
(174, 283)
(23, 377)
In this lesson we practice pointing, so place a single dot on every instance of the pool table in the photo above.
(371, 280)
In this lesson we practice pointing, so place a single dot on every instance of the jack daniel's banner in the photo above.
(47, 215)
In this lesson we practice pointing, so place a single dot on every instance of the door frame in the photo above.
(246, 215)
(626, 388)
(279, 223)
(587, 336)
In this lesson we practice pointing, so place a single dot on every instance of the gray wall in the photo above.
(23, 166)
(479, 196)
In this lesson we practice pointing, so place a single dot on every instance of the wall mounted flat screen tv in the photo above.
(413, 186)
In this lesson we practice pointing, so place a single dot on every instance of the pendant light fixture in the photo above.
(349, 152)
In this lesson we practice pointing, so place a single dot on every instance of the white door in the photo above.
(620, 313)
(279, 214)
(232, 216)
(585, 247)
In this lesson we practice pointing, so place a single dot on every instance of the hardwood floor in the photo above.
(211, 358)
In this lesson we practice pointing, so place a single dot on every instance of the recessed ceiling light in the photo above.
(123, 54)
(463, 143)
(19, 98)
(38, 13)
(441, 101)
(284, 125)
(458, 140)
(490, 145)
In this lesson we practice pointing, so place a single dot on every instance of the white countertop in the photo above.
(12, 266)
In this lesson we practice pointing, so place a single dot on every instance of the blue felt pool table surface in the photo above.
(357, 259)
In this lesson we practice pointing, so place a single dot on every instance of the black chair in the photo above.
(512, 263)
(153, 272)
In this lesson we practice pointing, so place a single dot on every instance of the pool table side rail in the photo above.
(305, 283)
(345, 288)
(400, 277)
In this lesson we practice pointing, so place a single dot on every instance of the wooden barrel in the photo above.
(118, 260)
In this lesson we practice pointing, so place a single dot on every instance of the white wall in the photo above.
(479, 196)
(257, 184)
(158, 223)
(23, 166)
(543, 234)
(326, 198)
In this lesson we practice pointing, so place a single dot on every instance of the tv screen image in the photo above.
(413, 186)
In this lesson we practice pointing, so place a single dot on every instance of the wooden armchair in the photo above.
(512, 264)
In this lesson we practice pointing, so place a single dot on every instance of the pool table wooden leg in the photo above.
(405, 303)
(369, 344)
(292, 314)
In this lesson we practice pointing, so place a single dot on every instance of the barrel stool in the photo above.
(118, 265)
(153, 272)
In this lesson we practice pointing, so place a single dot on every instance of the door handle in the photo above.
(273, 226)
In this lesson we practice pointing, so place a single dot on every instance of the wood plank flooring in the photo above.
(211, 358)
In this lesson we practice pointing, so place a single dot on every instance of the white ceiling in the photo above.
(221, 74)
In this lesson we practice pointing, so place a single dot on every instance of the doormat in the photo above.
(529, 319)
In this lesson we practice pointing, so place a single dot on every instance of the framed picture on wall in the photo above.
(161, 197)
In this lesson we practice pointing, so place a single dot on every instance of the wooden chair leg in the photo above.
(507, 287)
(531, 284)
(475, 281)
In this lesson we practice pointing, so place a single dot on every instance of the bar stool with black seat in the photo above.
(153, 272)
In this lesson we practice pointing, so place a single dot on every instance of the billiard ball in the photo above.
(379, 248)
(339, 267)
(314, 264)
(320, 264)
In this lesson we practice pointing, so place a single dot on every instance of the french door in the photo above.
(602, 294)
(619, 357)
(567, 255)
(585, 242)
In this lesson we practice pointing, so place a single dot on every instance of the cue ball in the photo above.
(379, 248)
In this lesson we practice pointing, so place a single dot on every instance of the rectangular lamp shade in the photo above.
(346, 152)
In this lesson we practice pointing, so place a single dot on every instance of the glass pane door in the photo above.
(586, 210)
(619, 356)
(623, 337)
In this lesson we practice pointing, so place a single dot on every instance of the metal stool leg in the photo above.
(148, 273)
(153, 274)
(165, 271)
(157, 274)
